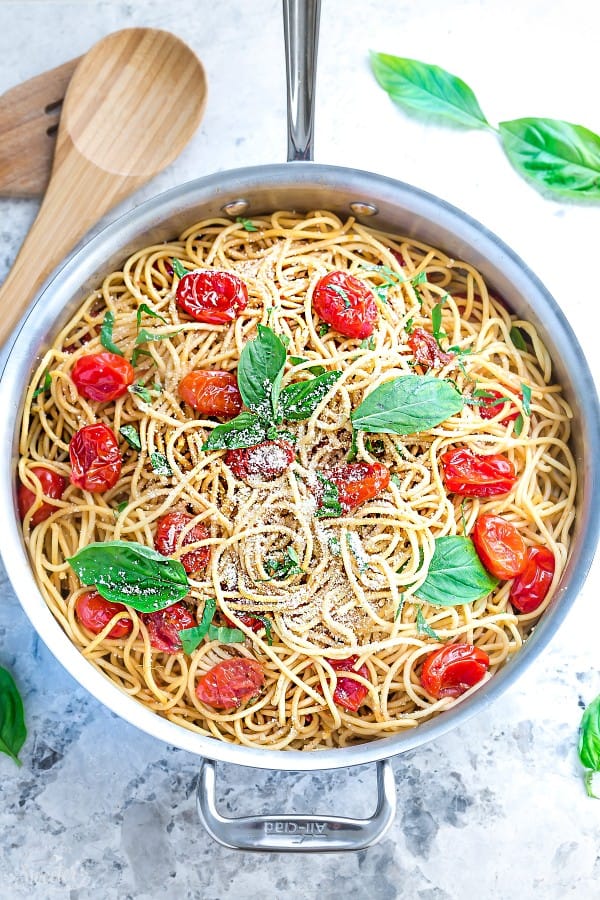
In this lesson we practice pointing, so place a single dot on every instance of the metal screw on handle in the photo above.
(289, 834)
(301, 33)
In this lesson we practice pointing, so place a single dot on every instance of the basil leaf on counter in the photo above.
(455, 575)
(558, 156)
(330, 506)
(128, 572)
(298, 401)
(260, 371)
(160, 464)
(106, 333)
(423, 627)
(407, 404)
(246, 430)
(179, 269)
(131, 435)
(144, 308)
(429, 89)
(192, 637)
(226, 635)
(12, 717)
(516, 336)
(589, 743)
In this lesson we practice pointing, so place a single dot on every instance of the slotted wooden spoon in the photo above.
(132, 105)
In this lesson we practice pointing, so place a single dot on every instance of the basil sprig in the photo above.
(191, 638)
(128, 572)
(407, 404)
(456, 574)
(589, 744)
(106, 333)
(12, 717)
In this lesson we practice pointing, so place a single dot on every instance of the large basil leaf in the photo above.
(455, 575)
(299, 401)
(12, 717)
(407, 404)
(127, 572)
(559, 156)
(246, 430)
(260, 371)
(589, 742)
(427, 89)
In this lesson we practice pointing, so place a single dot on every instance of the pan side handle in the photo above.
(287, 834)
(301, 33)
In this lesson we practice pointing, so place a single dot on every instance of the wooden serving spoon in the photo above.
(132, 105)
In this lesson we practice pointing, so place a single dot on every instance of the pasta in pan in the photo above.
(343, 465)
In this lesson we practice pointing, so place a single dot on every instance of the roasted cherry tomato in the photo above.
(102, 376)
(164, 627)
(499, 546)
(529, 589)
(211, 393)
(358, 482)
(266, 461)
(349, 693)
(489, 408)
(231, 683)
(53, 486)
(426, 350)
(95, 459)
(247, 620)
(166, 540)
(473, 475)
(94, 613)
(212, 297)
(453, 669)
(346, 304)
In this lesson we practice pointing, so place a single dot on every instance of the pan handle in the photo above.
(296, 833)
(301, 33)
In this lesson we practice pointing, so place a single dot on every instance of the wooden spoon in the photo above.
(132, 105)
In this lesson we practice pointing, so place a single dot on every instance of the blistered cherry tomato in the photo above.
(102, 376)
(231, 683)
(53, 486)
(164, 627)
(453, 669)
(166, 540)
(211, 393)
(426, 349)
(529, 589)
(499, 546)
(215, 298)
(358, 482)
(94, 613)
(346, 304)
(266, 461)
(473, 475)
(349, 693)
(489, 408)
(95, 459)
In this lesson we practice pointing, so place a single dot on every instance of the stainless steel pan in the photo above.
(302, 185)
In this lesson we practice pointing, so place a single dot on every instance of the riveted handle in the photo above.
(301, 33)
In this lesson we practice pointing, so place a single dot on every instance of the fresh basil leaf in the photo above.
(427, 89)
(179, 269)
(192, 637)
(323, 329)
(518, 426)
(141, 391)
(44, 387)
(353, 451)
(120, 507)
(299, 401)
(334, 546)
(106, 333)
(314, 370)
(558, 156)
(12, 717)
(368, 343)
(139, 351)
(526, 391)
(144, 336)
(268, 627)
(131, 435)
(246, 224)
(246, 430)
(589, 742)
(226, 635)
(396, 480)
(423, 627)
(409, 326)
(407, 404)
(128, 572)
(284, 568)
(260, 371)
(455, 575)
(330, 506)
(144, 308)
(516, 336)
(160, 464)
(436, 322)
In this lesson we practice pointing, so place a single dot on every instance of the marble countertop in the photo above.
(495, 809)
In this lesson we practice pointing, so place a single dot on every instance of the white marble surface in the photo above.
(495, 809)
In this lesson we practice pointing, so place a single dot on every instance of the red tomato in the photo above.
(473, 475)
(489, 409)
(94, 613)
(53, 486)
(211, 393)
(102, 376)
(266, 461)
(358, 482)
(346, 304)
(166, 540)
(453, 669)
(247, 620)
(426, 350)
(499, 546)
(529, 589)
(215, 298)
(95, 459)
(349, 693)
(231, 683)
(164, 627)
